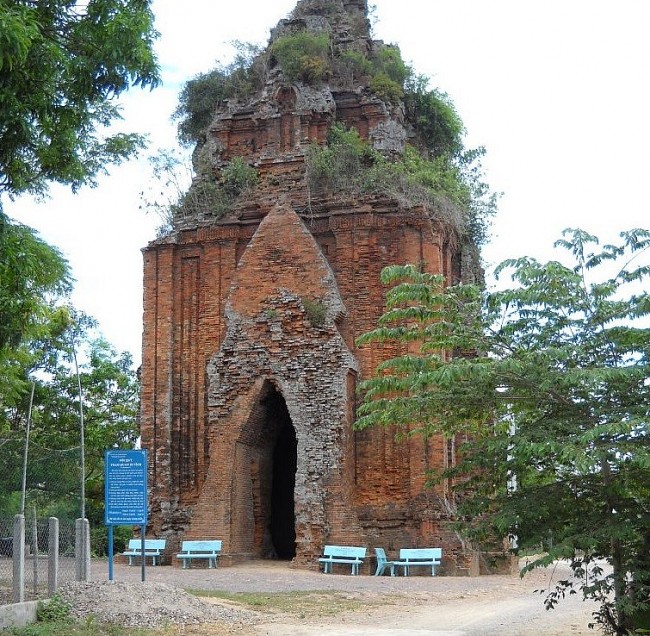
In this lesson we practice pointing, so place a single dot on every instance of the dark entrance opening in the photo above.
(283, 476)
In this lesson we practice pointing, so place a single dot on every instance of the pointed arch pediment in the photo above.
(283, 256)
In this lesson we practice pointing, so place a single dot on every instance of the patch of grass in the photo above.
(316, 311)
(89, 628)
(53, 618)
(54, 610)
(298, 603)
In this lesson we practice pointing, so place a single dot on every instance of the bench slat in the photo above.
(152, 548)
(351, 555)
(201, 549)
(414, 557)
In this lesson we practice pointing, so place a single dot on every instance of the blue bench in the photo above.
(383, 562)
(348, 555)
(153, 548)
(416, 557)
(191, 550)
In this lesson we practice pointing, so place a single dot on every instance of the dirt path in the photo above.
(413, 606)
(498, 609)
(468, 617)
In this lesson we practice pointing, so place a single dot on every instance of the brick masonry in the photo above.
(250, 367)
(222, 334)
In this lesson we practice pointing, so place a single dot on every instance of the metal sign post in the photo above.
(125, 495)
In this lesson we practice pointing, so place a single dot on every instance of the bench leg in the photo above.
(383, 566)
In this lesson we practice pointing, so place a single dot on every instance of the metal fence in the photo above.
(49, 549)
(43, 481)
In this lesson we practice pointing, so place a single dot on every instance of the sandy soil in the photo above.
(385, 606)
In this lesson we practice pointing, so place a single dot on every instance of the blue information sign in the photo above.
(125, 494)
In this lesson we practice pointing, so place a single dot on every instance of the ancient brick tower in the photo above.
(250, 367)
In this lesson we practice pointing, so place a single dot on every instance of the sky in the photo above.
(557, 91)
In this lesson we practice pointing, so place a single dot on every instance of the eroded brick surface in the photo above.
(250, 366)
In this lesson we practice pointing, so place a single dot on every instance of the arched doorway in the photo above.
(283, 520)
(265, 469)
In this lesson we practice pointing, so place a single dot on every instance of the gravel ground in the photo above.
(417, 605)
(146, 605)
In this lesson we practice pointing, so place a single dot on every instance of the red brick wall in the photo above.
(223, 317)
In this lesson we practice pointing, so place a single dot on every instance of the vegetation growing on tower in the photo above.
(432, 168)
(303, 56)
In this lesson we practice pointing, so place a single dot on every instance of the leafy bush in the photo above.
(303, 56)
(176, 195)
(450, 190)
(386, 89)
(209, 198)
(432, 114)
(99, 539)
(349, 66)
(389, 73)
(389, 62)
(54, 610)
(317, 7)
(203, 198)
(238, 177)
(205, 92)
(338, 165)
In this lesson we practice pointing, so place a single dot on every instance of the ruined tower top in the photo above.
(320, 75)
(344, 21)
(316, 70)
(324, 7)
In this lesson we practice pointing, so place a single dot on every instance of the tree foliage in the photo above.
(30, 270)
(61, 65)
(548, 379)
(110, 402)
(203, 94)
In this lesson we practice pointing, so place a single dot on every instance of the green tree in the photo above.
(61, 65)
(204, 93)
(110, 403)
(32, 276)
(30, 271)
(548, 379)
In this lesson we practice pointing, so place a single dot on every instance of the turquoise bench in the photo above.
(191, 550)
(153, 548)
(383, 563)
(348, 555)
(417, 557)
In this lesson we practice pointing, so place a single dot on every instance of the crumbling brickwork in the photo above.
(250, 366)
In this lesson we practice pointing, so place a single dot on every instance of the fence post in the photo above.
(52, 555)
(18, 551)
(82, 549)
(35, 552)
